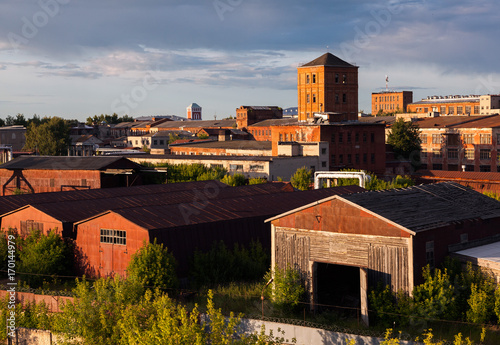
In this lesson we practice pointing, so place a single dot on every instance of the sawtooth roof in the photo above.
(328, 59)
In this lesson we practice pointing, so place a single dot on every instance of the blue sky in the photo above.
(75, 58)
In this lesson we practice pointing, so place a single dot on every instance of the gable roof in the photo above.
(328, 59)
(67, 163)
(428, 206)
(162, 217)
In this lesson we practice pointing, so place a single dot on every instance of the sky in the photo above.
(75, 58)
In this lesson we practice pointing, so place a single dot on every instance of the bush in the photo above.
(220, 265)
(302, 179)
(234, 180)
(288, 289)
(153, 266)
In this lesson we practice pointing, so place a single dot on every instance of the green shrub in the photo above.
(288, 289)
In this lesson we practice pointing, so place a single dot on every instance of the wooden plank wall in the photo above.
(386, 258)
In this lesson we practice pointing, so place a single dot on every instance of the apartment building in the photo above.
(461, 143)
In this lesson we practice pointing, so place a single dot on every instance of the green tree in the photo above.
(257, 180)
(97, 309)
(234, 180)
(51, 137)
(288, 290)
(404, 137)
(153, 266)
(302, 178)
(42, 256)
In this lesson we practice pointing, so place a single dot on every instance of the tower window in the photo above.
(308, 98)
(344, 79)
(314, 98)
(344, 98)
(314, 78)
(336, 78)
(307, 79)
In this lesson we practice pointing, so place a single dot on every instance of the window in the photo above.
(162, 142)
(373, 158)
(467, 109)
(336, 98)
(27, 226)
(349, 159)
(341, 159)
(437, 166)
(356, 137)
(333, 159)
(468, 139)
(114, 236)
(498, 139)
(286, 136)
(460, 110)
(423, 155)
(236, 167)
(344, 78)
(484, 154)
(323, 151)
(281, 137)
(485, 138)
(436, 138)
(484, 168)
(451, 110)
(498, 157)
(426, 110)
(344, 98)
(217, 166)
(469, 154)
(423, 138)
(52, 182)
(341, 137)
(333, 138)
(365, 158)
(256, 167)
(464, 238)
(372, 137)
(83, 182)
(155, 142)
(314, 98)
(348, 137)
(308, 98)
(336, 78)
(453, 139)
(307, 79)
(429, 253)
(443, 109)
(356, 157)
(453, 153)
(436, 153)
(323, 164)
(365, 137)
(314, 78)
(476, 109)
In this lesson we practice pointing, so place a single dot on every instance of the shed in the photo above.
(386, 236)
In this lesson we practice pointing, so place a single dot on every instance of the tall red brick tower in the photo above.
(327, 84)
(193, 112)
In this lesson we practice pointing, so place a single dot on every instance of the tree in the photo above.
(404, 137)
(234, 180)
(288, 290)
(42, 255)
(153, 266)
(302, 178)
(50, 137)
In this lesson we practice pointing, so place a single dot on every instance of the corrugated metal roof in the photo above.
(446, 121)
(162, 217)
(67, 163)
(230, 144)
(200, 124)
(428, 206)
(460, 175)
(77, 205)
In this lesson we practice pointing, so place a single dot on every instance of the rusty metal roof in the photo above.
(77, 205)
(423, 207)
(449, 121)
(459, 175)
(163, 217)
(69, 163)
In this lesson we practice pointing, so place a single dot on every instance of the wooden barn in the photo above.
(342, 245)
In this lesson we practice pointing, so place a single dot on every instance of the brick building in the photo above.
(447, 105)
(248, 115)
(391, 101)
(461, 143)
(193, 112)
(327, 84)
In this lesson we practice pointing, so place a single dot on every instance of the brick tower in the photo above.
(327, 84)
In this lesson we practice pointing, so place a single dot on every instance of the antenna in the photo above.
(386, 83)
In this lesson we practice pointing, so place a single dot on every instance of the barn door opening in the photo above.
(342, 289)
